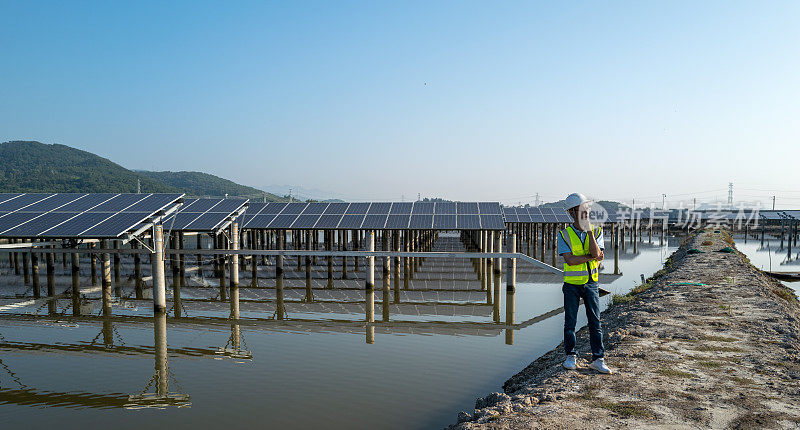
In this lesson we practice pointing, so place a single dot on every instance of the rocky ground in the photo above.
(722, 355)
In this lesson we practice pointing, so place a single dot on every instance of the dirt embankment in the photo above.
(725, 354)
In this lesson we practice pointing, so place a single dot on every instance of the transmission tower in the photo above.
(730, 194)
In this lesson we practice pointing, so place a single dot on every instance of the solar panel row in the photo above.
(535, 215)
(77, 215)
(204, 214)
(378, 216)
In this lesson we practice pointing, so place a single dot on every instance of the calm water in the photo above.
(770, 256)
(314, 370)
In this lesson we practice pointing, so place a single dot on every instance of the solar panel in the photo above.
(401, 208)
(305, 221)
(119, 202)
(357, 208)
(228, 206)
(274, 208)
(52, 203)
(445, 208)
(523, 215)
(444, 222)
(77, 225)
(315, 208)
(293, 208)
(259, 221)
(492, 222)
(21, 201)
(13, 219)
(8, 196)
(421, 221)
(329, 221)
(379, 208)
(336, 208)
(151, 203)
(398, 221)
(422, 208)
(115, 225)
(511, 217)
(204, 222)
(467, 208)
(489, 208)
(283, 221)
(351, 221)
(375, 221)
(468, 222)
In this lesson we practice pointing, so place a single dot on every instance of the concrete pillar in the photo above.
(199, 257)
(406, 260)
(234, 294)
(329, 259)
(76, 284)
(157, 263)
(93, 262)
(51, 283)
(280, 240)
(182, 259)
(498, 246)
(309, 291)
(482, 261)
(356, 240)
(25, 267)
(223, 261)
(511, 286)
(137, 272)
(35, 272)
(343, 239)
(176, 277)
(489, 267)
(617, 240)
(254, 244)
(116, 264)
(369, 284)
(396, 268)
(105, 260)
(385, 276)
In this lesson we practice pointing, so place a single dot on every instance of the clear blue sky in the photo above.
(464, 100)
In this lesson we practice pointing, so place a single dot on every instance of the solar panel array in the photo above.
(78, 215)
(204, 215)
(375, 216)
(535, 215)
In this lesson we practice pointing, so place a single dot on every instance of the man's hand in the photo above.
(600, 257)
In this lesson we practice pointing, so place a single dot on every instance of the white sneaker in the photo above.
(600, 366)
(569, 363)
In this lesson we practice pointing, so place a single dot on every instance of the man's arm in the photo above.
(574, 260)
(594, 249)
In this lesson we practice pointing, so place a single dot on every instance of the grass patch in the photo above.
(785, 294)
(624, 409)
(674, 373)
(710, 364)
(713, 338)
(740, 381)
(617, 299)
(713, 348)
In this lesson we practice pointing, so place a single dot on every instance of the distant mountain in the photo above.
(300, 193)
(204, 184)
(27, 167)
(36, 167)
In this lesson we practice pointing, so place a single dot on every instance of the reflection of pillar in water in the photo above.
(370, 333)
(161, 366)
(511, 286)
(369, 285)
(498, 246)
(279, 311)
(108, 332)
(106, 281)
(76, 284)
(236, 336)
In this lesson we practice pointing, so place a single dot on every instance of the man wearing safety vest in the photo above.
(581, 245)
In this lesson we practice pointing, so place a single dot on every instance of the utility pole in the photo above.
(138, 186)
(730, 194)
(419, 197)
(663, 201)
(290, 195)
(537, 199)
(773, 202)
(694, 203)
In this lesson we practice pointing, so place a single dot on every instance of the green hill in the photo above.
(204, 184)
(36, 167)
(27, 167)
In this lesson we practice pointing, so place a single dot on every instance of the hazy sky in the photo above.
(462, 100)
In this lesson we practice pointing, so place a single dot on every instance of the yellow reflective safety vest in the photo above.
(579, 274)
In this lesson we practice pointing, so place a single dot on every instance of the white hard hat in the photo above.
(575, 199)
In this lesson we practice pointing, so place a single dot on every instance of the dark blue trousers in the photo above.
(591, 298)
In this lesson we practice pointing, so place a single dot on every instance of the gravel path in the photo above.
(722, 355)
